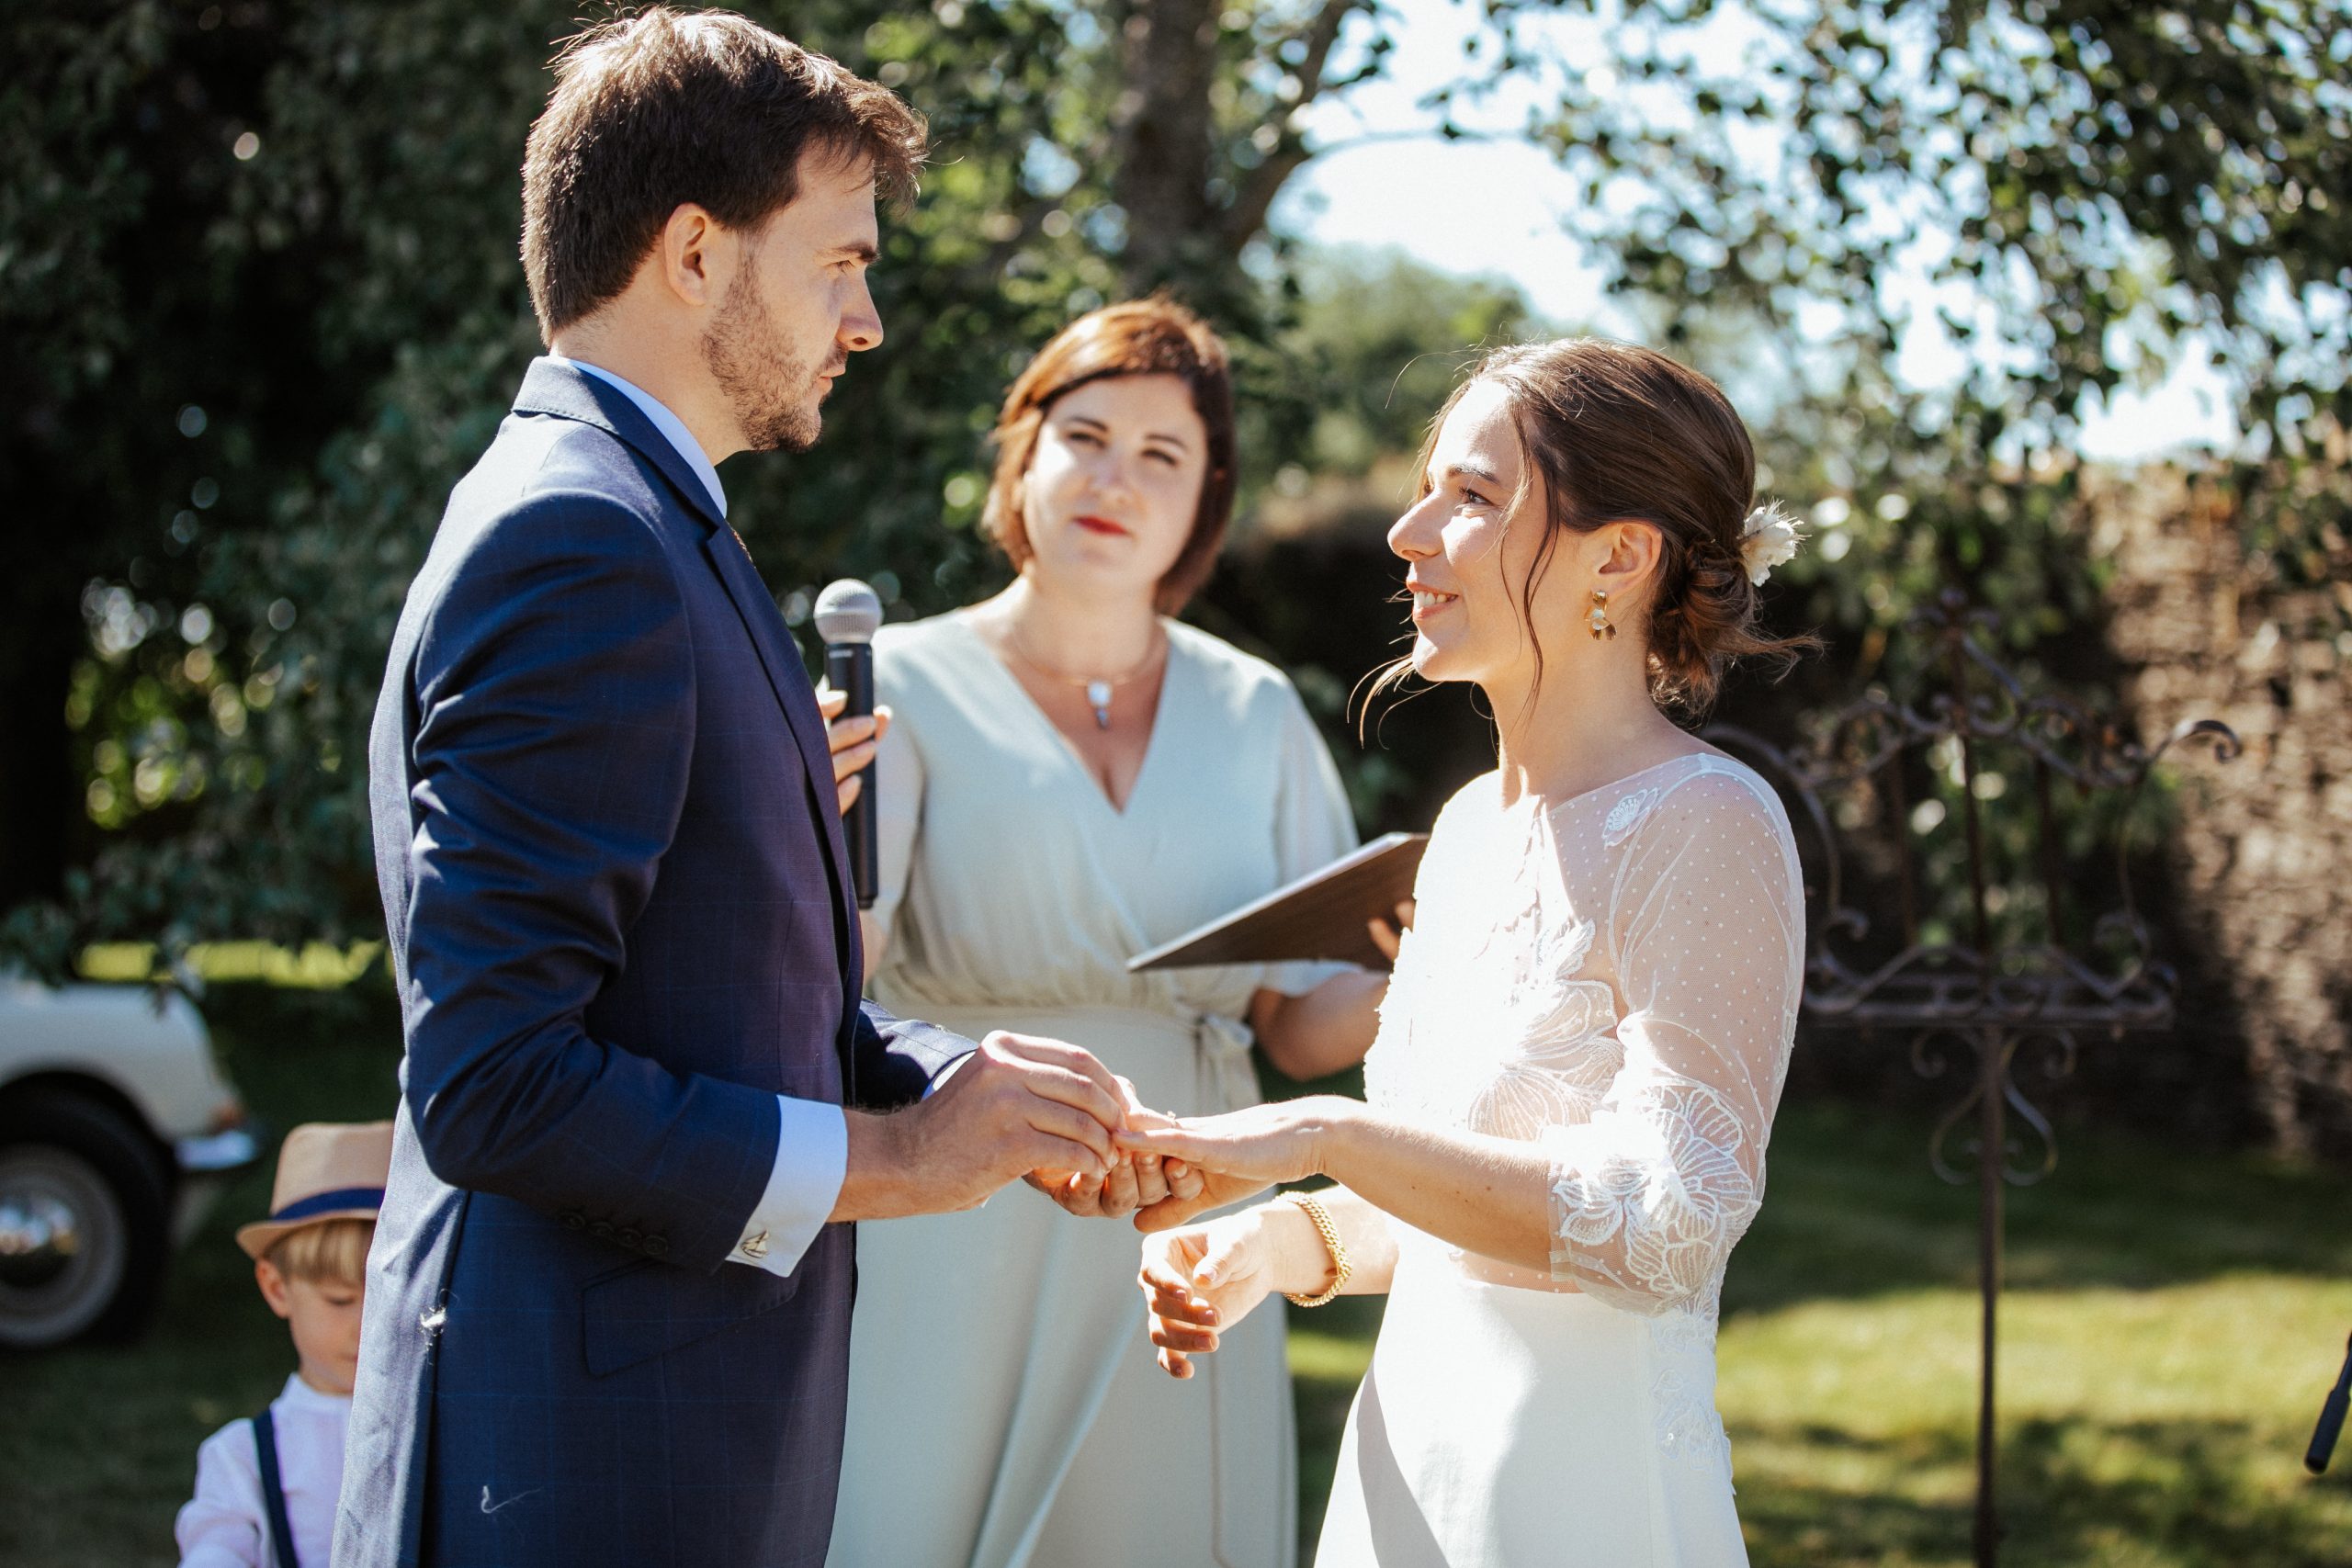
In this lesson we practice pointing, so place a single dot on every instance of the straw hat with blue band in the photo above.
(326, 1170)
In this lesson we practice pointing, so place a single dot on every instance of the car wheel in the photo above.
(85, 1222)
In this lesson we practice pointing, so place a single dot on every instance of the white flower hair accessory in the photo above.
(1769, 538)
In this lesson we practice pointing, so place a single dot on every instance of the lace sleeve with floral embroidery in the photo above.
(1707, 919)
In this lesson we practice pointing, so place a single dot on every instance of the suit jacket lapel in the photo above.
(571, 394)
(789, 681)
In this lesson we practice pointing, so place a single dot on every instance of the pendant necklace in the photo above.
(1099, 689)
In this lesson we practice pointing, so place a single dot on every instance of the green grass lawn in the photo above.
(2171, 1326)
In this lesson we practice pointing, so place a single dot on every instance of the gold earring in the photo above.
(1599, 619)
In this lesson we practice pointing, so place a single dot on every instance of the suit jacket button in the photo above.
(573, 1220)
(600, 1227)
(657, 1247)
(630, 1236)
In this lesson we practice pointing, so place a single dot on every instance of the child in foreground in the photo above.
(265, 1488)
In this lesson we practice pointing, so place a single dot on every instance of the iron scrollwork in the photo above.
(1968, 1000)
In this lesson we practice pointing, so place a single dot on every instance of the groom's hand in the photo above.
(1017, 1105)
(1136, 1182)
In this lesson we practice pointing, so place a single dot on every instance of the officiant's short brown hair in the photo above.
(1141, 337)
(663, 107)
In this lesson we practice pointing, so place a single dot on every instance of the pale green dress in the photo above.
(1004, 1406)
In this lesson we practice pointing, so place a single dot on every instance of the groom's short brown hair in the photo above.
(663, 107)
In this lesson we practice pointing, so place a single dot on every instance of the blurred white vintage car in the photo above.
(116, 1127)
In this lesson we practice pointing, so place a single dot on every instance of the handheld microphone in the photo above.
(2331, 1419)
(847, 613)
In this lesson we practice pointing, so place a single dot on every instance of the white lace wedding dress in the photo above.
(1615, 978)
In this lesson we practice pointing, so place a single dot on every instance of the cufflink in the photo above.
(755, 1245)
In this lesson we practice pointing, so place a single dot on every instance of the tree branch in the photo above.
(1322, 35)
(1247, 214)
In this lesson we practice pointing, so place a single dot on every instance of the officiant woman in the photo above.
(1072, 775)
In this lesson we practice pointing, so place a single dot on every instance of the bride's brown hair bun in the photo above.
(1618, 433)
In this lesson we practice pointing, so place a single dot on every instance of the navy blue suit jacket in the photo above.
(614, 877)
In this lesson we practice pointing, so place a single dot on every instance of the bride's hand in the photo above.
(1201, 1281)
(1210, 1190)
(1138, 1181)
(1283, 1141)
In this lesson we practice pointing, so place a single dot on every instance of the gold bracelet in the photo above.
(1341, 1267)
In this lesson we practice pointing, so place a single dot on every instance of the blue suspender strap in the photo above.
(273, 1490)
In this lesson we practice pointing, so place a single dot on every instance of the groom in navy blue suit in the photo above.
(607, 1316)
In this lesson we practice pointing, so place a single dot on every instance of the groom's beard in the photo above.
(772, 392)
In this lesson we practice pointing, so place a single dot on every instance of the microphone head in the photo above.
(848, 610)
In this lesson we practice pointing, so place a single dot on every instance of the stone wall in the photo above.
(2261, 858)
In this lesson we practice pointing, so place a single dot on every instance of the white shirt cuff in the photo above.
(811, 1158)
(949, 1071)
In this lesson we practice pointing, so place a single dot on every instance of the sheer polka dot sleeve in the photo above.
(1707, 920)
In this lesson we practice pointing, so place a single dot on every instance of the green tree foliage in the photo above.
(257, 262)
(259, 298)
(1383, 340)
(261, 308)
(2073, 193)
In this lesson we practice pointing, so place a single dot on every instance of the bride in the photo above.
(1586, 1035)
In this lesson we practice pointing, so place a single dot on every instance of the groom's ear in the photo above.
(695, 254)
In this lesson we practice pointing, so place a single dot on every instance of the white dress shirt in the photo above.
(225, 1526)
(812, 1143)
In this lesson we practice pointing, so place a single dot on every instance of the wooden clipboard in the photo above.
(1319, 917)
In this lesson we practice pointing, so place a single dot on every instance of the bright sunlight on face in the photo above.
(798, 307)
(1465, 564)
(1114, 484)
